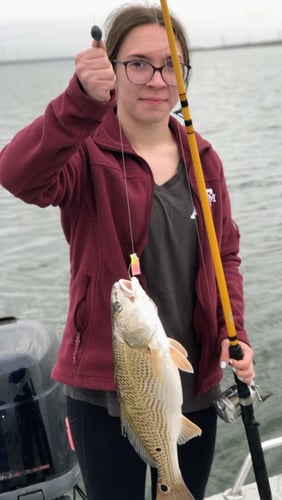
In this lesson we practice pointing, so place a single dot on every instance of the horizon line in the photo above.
(204, 48)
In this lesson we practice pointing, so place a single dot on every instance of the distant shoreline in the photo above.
(244, 45)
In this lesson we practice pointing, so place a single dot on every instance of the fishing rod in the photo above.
(235, 351)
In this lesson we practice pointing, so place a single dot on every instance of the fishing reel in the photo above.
(228, 405)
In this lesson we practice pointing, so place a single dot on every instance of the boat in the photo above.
(241, 491)
(33, 405)
(238, 491)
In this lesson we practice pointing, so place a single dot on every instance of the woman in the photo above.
(108, 152)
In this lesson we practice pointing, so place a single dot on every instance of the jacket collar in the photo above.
(109, 135)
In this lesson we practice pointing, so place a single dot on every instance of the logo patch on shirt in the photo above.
(211, 199)
(193, 214)
(211, 196)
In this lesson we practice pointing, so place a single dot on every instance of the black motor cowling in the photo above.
(36, 460)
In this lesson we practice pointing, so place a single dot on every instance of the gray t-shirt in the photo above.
(169, 263)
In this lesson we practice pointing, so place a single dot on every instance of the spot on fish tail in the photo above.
(177, 491)
(164, 488)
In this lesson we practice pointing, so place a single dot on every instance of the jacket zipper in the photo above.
(76, 347)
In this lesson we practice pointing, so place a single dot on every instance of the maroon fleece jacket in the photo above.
(71, 157)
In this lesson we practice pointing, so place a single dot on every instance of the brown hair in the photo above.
(122, 20)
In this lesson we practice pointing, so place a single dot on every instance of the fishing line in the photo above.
(134, 265)
(194, 217)
(180, 121)
(96, 34)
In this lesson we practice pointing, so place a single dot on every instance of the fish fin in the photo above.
(128, 431)
(178, 491)
(174, 343)
(180, 359)
(156, 362)
(188, 430)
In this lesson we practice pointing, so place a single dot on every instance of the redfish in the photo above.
(149, 389)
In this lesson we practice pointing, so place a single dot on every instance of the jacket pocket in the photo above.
(81, 316)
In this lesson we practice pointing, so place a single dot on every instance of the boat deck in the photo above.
(250, 491)
(242, 491)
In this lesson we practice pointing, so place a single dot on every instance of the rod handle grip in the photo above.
(235, 352)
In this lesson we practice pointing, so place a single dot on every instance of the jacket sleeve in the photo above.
(43, 162)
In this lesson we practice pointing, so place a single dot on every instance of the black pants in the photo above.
(112, 470)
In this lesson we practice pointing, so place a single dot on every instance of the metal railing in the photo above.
(235, 493)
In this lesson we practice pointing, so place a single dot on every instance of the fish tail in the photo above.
(178, 492)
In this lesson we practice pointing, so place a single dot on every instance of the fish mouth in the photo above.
(127, 287)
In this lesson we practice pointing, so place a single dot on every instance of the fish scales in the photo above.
(145, 410)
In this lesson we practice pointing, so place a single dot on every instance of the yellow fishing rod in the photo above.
(250, 423)
(220, 277)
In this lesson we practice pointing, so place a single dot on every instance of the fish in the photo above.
(146, 367)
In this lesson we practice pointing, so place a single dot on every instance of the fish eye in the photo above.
(117, 306)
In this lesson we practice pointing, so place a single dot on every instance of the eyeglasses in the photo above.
(141, 72)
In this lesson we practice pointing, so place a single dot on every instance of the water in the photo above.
(236, 101)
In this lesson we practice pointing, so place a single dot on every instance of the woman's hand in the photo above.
(95, 72)
(244, 368)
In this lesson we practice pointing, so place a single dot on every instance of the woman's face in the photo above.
(152, 101)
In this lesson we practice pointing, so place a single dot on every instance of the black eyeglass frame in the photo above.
(154, 68)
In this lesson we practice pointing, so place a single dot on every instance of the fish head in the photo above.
(133, 313)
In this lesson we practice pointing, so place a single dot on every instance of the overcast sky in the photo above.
(33, 28)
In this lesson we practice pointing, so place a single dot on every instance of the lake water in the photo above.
(236, 102)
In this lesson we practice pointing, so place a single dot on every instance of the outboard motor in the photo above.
(36, 460)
